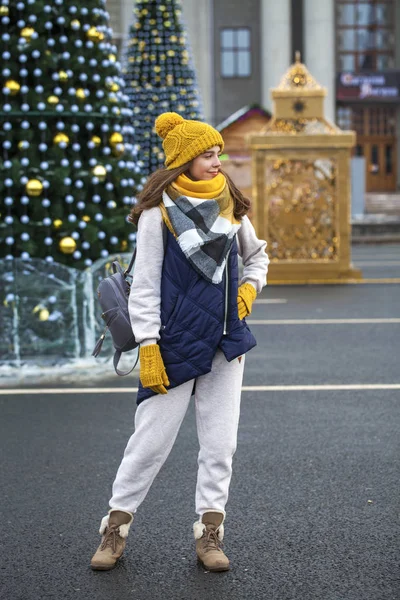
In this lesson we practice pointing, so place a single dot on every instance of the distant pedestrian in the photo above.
(187, 309)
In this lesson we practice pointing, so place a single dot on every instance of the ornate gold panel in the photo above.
(301, 204)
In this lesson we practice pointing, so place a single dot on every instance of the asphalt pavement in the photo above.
(314, 505)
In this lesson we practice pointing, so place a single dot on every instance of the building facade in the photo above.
(352, 47)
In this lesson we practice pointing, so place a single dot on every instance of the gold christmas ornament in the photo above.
(112, 57)
(27, 33)
(96, 140)
(100, 172)
(57, 223)
(34, 187)
(124, 245)
(94, 35)
(80, 93)
(61, 137)
(44, 315)
(63, 76)
(75, 23)
(118, 150)
(3, 11)
(53, 100)
(116, 138)
(21, 145)
(86, 218)
(13, 86)
(67, 245)
(113, 86)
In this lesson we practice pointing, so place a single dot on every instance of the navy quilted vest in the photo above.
(193, 315)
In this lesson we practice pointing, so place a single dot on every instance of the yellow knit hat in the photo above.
(185, 139)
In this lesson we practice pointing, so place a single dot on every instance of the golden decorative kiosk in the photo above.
(301, 185)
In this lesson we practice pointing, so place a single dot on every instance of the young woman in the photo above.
(187, 309)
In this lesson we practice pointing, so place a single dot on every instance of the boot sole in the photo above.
(216, 569)
(102, 567)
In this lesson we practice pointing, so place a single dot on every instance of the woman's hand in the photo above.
(246, 296)
(152, 370)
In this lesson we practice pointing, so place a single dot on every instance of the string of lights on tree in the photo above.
(68, 167)
(158, 74)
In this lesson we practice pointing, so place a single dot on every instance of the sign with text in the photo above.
(379, 87)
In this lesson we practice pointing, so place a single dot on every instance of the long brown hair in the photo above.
(151, 194)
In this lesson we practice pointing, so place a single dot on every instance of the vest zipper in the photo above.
(226, 294)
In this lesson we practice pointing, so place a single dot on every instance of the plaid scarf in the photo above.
(204, 229)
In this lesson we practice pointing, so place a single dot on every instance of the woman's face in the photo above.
(206, 165)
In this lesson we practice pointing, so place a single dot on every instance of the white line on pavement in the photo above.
(371, 256)
(377, 263)
(319, 321)
(321, 387)
(271, 301)
(247, 388)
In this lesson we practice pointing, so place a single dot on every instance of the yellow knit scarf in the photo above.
(213, 189)
(207, 189)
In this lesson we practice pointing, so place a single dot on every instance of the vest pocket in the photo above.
(174, 313)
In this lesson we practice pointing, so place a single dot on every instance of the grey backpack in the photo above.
(113, 294)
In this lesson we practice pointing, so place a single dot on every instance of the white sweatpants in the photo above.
(157, 422)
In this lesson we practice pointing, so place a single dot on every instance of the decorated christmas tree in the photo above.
(67, 158)
(158, 75)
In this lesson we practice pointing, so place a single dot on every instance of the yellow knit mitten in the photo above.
(152, 370)
(246, 296)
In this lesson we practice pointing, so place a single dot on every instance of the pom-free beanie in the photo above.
(185, 139)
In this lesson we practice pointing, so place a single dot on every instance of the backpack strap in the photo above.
(117, 356)
(128, 270)
(166, 218)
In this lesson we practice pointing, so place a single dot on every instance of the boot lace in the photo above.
(111, 538)
(211, 540)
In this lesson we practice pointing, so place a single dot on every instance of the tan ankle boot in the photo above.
(209, 533)
(114, 528)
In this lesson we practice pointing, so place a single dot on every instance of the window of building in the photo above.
(368, 121)
(365, 37)
(235, 52)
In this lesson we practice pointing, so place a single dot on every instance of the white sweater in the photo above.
(145, 296)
